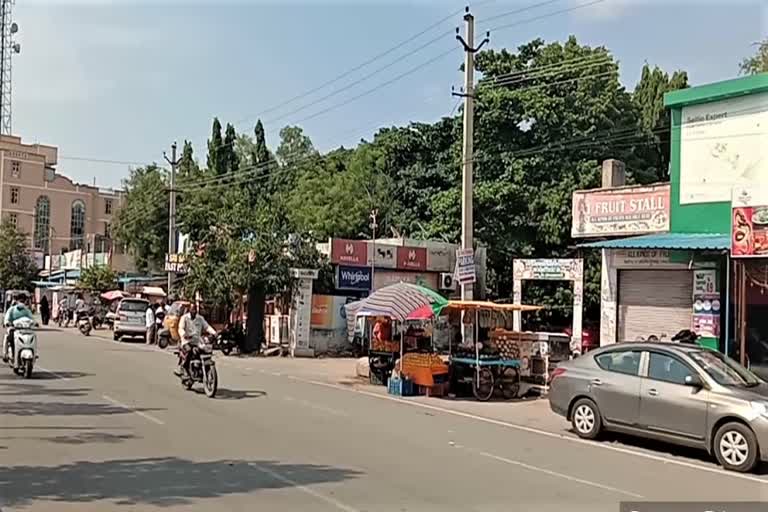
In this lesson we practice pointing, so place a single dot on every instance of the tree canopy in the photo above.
(17, 268)
(757, 63)
(98, 278)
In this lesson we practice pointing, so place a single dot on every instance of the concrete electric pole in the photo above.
(374, 225)
(467, 227)
(172, 210)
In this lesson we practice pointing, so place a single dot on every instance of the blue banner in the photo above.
(353, 278)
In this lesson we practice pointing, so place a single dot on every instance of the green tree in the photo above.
(655, 122)
(758, 63)
(188, 168)
(216, 150)
(17, 267)
(142, 222)
(99, 278)
(295, 147)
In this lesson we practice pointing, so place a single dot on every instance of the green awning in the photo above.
(679, 241)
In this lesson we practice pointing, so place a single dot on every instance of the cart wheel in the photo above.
(509, 383)
(483, 390)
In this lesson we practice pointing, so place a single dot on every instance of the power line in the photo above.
(547, 15)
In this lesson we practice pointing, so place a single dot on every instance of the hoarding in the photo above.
(349, 252)
(622, 211)
(353, 278)
(722, 145)
(412, 258)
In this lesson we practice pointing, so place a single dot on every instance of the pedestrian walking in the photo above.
(150, 324)
(45, 310)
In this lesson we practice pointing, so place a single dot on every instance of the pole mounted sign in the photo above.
(465, 266)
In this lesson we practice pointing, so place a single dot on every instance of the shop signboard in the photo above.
(749, 222)
(706, 304)
(439, 259)
(621, 211)
(327, 312)
(176, 263)
(384, 256)
(387, 277)
(722, 145)
(548, 269)
(412, 258)
(465, 266)
(349, 252)
(73, 260)
(353, 278)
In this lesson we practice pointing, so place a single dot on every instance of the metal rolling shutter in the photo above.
(654, 302)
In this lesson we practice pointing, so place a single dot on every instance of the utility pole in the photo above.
(467, 226)
(374, 225)
(172, 210)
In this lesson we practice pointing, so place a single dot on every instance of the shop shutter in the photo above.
(654, 302)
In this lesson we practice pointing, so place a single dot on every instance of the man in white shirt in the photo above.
(149, 323)
(191, 328)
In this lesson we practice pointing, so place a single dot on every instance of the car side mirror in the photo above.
(694, 381)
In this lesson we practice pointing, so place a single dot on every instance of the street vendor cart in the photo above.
(496, 359)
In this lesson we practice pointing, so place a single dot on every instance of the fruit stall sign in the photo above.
(621, 211)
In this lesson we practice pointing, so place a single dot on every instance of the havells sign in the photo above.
(353, 278)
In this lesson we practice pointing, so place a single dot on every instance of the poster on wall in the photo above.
(622, 211)
(749, 222)
(706, 304)
(722, 145)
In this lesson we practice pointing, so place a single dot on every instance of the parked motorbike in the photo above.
(202, 369)
(84, 322)
(24, 347)
(229, 339)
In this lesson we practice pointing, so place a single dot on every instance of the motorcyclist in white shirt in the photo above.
(191, 328)
(15, 312)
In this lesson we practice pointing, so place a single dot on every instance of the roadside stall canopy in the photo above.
(479, 305)
(680, 241)
(154, 291)
(113, 295)
(397, 301)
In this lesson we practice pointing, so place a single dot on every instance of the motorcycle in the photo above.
(230, 339)
(202, 369)
(84, 322)
(24, 347)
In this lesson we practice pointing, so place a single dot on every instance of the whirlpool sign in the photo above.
(353, 278)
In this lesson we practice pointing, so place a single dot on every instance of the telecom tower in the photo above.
(7, 48)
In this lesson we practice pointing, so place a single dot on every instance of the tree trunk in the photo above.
(254, 333)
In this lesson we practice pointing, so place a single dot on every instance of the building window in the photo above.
(14, 195)
(42, 223)
(15, 168)
(77, 225)
(108, 230)
(108, 206)
(13, 218)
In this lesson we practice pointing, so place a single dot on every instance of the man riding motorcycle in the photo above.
(17, 311)
(191, 328)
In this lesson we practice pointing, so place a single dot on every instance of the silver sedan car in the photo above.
(678, 393)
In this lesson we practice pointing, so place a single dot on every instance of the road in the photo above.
(105, 426)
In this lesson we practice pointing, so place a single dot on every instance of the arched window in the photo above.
(42, 223)
(77, 225)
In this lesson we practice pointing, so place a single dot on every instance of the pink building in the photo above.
(49, 206)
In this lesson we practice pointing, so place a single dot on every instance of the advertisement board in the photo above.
(353, 278)
(327, 312)
(722, 145)
(749, 222)
(387, 277)
(384, 256)
(623, 211)
(176, 263)
(439, 259)
(349, 252)
(465, 266)
(412, 258)
(548, 269)
(706, 304)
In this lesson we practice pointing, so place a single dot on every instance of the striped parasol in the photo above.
(396, 301)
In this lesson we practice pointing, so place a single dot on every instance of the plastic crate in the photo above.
(400, 387)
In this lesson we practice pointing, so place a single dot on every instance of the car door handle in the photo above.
(653, 392)
(596, 382)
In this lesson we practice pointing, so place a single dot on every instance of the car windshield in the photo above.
(723, 370)
(134, 305)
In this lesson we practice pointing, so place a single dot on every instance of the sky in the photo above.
(120, 80)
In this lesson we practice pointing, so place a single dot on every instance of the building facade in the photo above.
(58, 214)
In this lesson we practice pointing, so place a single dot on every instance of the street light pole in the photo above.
(374, 225)
(172, 210)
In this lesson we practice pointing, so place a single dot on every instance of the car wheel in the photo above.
(586, 420)
(116, 336)
(736, 447)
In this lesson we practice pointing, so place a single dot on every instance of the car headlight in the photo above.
(760, 408)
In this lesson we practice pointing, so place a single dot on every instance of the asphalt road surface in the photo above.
(106, 426)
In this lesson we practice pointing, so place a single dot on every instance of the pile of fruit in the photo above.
(385, 346)
(431, 361)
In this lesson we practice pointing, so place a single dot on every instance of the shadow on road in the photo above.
(78, 439)
(62, 375)
(236, 394)
(66, 409)
(22, 389)
(161, 481)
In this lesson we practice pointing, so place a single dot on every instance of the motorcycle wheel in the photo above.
(226, 350)
(162, 341)
(211, 383)
(28, 369)
(187, 384)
